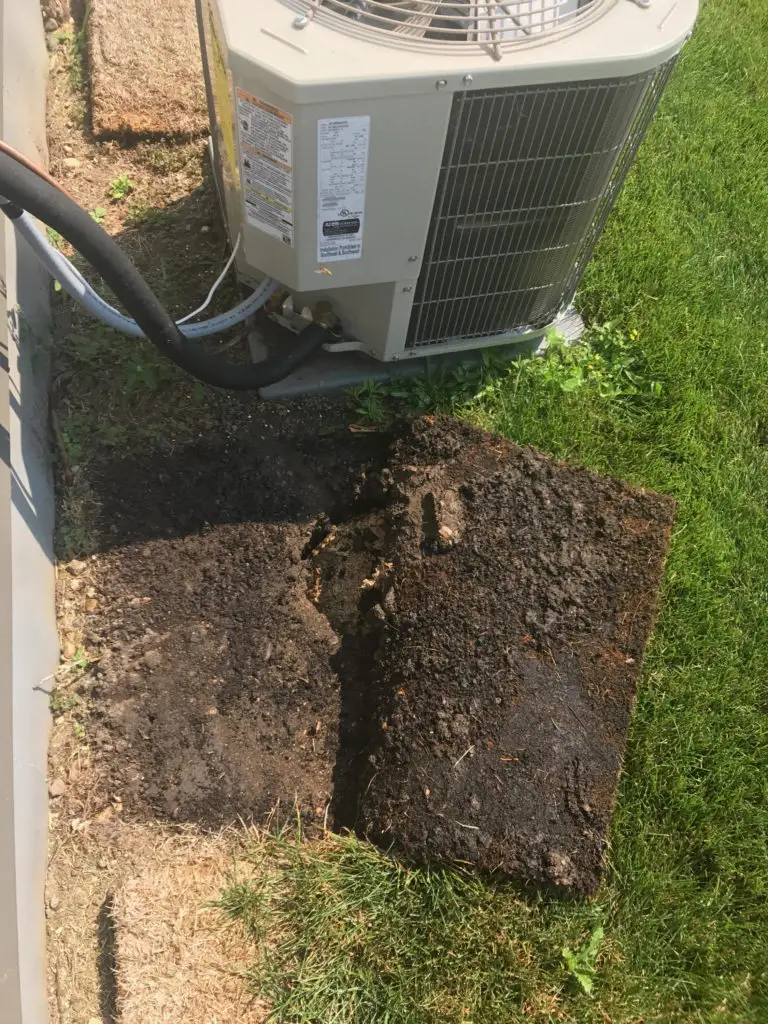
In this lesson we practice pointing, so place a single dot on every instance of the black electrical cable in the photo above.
(26, 190)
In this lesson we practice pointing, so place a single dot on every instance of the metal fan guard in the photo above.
(461, 26)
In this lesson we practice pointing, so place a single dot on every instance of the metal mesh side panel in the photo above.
(528, 179)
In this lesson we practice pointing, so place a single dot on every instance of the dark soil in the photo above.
(217, 698)
(442, 632)
(504, 625)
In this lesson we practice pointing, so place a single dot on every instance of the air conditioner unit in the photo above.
(435, 173)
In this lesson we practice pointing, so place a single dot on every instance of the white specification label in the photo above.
(266, 150)
(342, 165)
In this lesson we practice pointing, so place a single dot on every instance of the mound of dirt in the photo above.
(146, 75)
(503, 604)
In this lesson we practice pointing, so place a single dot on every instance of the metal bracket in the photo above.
(296, 320)
(288, 316)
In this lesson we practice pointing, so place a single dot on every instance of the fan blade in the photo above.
(417, 24)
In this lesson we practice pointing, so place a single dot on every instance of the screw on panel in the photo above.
(408, 288)
(413, 259)
(468, 79)
(441, 83)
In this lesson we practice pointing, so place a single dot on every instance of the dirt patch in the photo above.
(215, 696)
(153, 44)
(504, 626)
(439, 639)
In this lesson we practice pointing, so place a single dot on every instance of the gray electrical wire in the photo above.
(76, 286)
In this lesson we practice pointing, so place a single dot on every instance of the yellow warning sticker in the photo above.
(266, 156)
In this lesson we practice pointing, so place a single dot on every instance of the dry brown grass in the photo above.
(145, 69)
(175, 962)
(130, 935)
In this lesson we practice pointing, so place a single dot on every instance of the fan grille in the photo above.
(460, 24)
(528, 180)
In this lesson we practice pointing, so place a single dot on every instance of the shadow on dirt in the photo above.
(216, 696)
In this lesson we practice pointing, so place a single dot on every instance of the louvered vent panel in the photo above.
(529, 177)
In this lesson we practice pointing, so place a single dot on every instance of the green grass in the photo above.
(342, 934)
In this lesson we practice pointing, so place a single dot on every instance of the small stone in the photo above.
(76, 567)
(102, 863)
(153, 659)
(68, 650)
(90, 592)
(205, 229)
(54, 903)
(76, 585)
(212, 711)
(67, 148)
(51, 24)
(91, 605)
(57, 788)
(71, 163)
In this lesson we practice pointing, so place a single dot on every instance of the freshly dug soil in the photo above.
(145, 68)
(217, 698)
(503, 618)
(437, 635)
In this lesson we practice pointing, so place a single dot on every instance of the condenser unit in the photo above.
(434, 175)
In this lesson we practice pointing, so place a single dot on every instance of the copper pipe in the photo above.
(31, 166)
